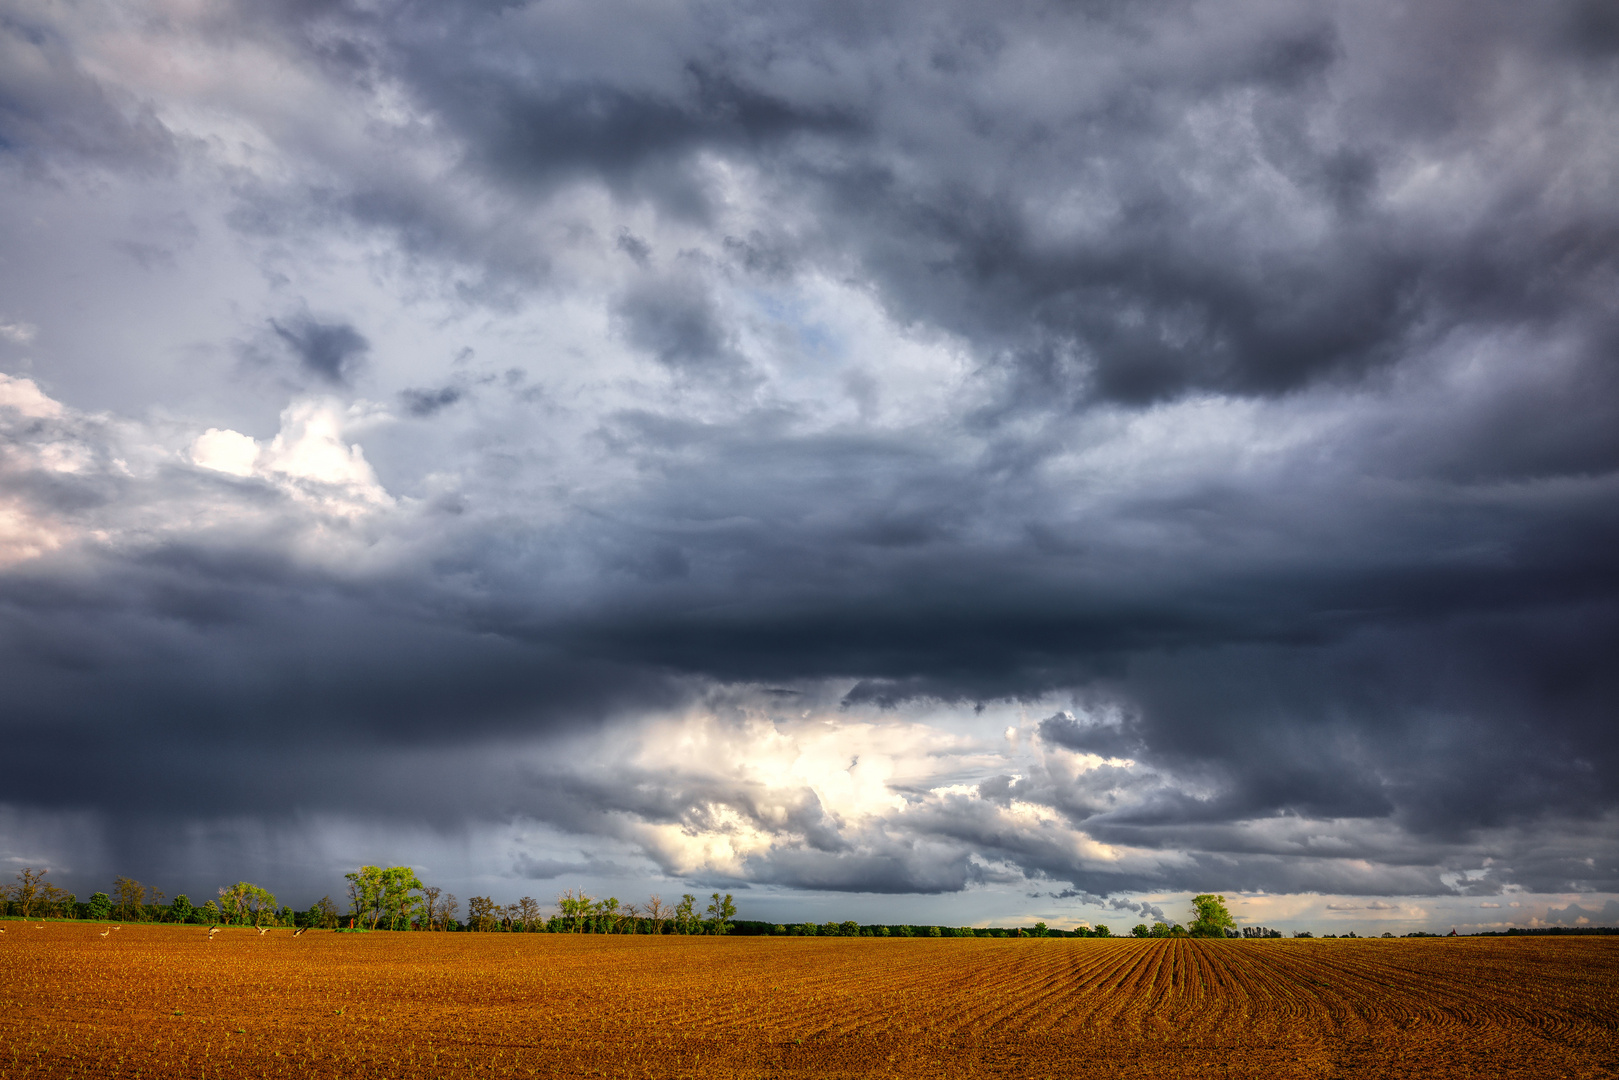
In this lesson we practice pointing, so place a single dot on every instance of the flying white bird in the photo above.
(262, 930)
(295, 933)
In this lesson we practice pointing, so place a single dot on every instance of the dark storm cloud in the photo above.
(1255, 268)
(331, 350)
(428, 402)
(675, 321)
(537, 133)
(1390, 229)
(1108, 740)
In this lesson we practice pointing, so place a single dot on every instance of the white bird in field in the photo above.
(295, 933)
(105, 932)
(118, 928)
(262, 930)
(212, 930)
(40, 926)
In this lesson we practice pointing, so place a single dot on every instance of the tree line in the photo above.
(33, 896)
(394, 898)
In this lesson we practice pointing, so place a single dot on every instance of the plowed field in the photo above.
(164, 1001)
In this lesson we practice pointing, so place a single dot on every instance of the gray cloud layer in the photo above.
(1243, 381)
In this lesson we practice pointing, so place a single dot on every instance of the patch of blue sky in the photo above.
(790, 312)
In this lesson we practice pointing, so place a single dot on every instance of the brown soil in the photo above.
(164, 1001)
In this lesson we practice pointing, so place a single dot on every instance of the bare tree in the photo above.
(326, 912)
(632, 919)
(56, 900)
(528, 913)
(431, 892)
(481, 912)
(27, 892)
(657, 913)
(33, 892)
(447, 908)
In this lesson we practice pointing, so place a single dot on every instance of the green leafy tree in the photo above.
(365, 894)
(395, 900)
(1211, 919)
(686, 914)
(246, 904)
(1140, 930)
(232, 903)
(101, 906)
(180, 908)
(721, 911)
(211, 915)
(1101, 930)
(1041, 930)
(128, 897)
(575, 908)
(1159, 929)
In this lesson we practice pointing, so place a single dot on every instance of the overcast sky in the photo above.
(930, 462)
